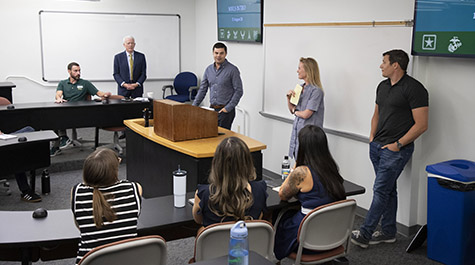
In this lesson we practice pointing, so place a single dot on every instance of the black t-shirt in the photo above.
(395, 104)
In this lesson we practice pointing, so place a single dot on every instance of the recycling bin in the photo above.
(451, 212)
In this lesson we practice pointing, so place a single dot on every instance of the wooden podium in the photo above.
(177, 121)
(151, 159)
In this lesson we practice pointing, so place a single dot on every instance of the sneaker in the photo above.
(54, 151)
(30, 197)
(358, 239)
(380, 237)
(64, 142)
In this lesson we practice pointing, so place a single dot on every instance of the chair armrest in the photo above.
(164, 88)
(191, 89)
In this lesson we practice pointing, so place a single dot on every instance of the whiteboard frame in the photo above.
(107, 13)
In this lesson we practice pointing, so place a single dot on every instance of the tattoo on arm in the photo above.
(292, 187)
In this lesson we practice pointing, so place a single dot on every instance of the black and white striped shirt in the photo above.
(126, 204)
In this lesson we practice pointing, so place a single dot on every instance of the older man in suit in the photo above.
(130, 70)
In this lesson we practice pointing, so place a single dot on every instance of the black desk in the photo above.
(26, 156)
(151, 159)
(254, 258)
(56, 236)
(53, 116)
(6, 90)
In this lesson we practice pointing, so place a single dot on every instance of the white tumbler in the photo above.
(179, 187)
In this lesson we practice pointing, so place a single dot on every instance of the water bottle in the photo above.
(45, 183)
(285, 168)
(179, 187)
(238, 245)
(146, 116)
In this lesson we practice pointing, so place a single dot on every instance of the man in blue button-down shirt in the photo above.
(224, 81)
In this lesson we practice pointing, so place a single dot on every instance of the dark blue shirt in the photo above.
(259, 195)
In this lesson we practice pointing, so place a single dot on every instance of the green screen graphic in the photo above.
(444, 28)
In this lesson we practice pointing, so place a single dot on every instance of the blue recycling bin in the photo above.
(451, 212)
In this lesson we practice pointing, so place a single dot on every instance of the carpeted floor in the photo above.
(66, 172)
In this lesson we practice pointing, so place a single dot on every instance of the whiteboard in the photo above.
(92, 40)
(348, 58)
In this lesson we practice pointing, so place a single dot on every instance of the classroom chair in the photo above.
(326, 229)
(185, 86)
(146, 250)
(213, 241)
(116, 131)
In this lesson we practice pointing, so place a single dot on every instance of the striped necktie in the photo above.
(131, 63)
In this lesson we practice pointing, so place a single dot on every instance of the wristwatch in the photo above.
(399, 145)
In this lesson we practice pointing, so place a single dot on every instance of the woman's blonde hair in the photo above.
(310, 66)
(231, 170)
(101, 169)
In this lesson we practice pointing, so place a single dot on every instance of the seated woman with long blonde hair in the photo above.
(232, 194)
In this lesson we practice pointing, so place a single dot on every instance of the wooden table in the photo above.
(151, 159)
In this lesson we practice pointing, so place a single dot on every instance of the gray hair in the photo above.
(128, 37)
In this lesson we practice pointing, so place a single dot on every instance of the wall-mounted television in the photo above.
(240, 20)
(444, 28)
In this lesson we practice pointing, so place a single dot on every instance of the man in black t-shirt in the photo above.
(400, 116)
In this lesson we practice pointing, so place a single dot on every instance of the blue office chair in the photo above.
(185, 86)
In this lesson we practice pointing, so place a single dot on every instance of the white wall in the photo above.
(450, 81)
(21, 45)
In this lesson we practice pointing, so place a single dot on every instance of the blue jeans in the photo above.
(388, 165)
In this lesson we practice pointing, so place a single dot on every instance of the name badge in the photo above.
(80, 87)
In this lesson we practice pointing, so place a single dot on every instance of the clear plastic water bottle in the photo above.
(238, 245)
(285, 168)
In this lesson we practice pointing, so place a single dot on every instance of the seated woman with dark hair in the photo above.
(232, 194)
(315, 181)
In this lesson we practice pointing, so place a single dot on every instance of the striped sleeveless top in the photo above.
(126, 203)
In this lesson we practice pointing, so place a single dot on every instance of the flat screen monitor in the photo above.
(444, 28)
(240, 20)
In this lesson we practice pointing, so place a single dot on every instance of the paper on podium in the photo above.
(295, 98)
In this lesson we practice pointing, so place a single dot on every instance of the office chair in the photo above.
(116, 131)
(4, 184)
(185, 86)
(326, 229)
(213, 240)
(146, 250)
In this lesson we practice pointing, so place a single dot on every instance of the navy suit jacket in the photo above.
(122, 73)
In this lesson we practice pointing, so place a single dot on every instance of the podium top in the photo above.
(199, 148)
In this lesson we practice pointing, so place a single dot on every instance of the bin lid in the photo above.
(459, 169)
